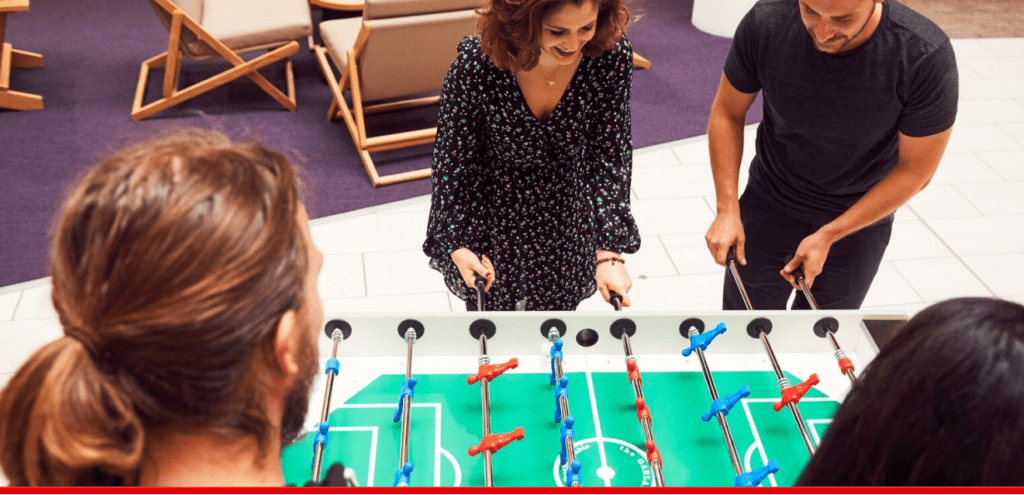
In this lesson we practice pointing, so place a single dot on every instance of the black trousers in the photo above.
(772, 236)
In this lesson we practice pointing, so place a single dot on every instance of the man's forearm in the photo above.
(919, 158)
(893, 191)
(725, 140)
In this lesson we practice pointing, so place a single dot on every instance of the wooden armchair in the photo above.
(208, 29)
(399, 51)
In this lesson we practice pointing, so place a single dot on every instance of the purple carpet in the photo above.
(93, 49)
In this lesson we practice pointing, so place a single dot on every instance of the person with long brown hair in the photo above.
(533, 159)
(184, 277)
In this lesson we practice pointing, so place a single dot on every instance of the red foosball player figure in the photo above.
(493, 443)
(492, 371)
(792, 395)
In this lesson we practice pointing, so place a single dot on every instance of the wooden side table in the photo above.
(10, 57)
(347, 5)
(339, 5)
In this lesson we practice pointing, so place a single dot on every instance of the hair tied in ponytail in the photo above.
(101, 358)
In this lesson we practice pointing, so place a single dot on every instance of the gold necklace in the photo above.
(553, 76)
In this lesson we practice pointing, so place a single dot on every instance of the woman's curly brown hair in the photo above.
(510, 29)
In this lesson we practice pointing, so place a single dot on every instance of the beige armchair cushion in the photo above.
(420, 47)
(381, 9)
(246, 25)
(192, 8)
(339, 36)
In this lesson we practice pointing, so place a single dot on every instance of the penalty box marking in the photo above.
(373, 446)
(757, 435)
(438, 450)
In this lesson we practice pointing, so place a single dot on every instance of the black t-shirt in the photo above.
(830, 123)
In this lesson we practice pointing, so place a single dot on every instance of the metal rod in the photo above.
(318, 454)
(783, 383)
(486, 406)
(839, 354)
(410, 338)
(807, 292)
(829, 333)
(739, 283)
(563, 405)
(763, 336)
(638, 391)
(722, 421)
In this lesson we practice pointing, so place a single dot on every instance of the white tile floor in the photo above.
(961, 236)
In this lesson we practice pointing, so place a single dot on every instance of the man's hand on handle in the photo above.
(811, 254)
(725, 232)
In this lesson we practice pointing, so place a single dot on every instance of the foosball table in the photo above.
(623, 399)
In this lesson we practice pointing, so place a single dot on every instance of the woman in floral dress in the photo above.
(532, 164)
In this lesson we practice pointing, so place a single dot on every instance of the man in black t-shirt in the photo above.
(859, 101)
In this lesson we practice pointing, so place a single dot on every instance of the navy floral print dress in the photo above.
(539, 198)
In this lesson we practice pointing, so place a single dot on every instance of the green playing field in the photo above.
(608, 438)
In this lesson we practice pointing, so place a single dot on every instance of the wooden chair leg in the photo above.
(287, 101)
(25, 60)
(16, 100)
(354, 121)
(249, 69)
(640, 62)
(378, 180)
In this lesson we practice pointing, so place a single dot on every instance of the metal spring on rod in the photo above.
(840, 354)
(783, 383)
(484, 360)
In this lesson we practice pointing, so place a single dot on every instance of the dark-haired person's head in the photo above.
(184, 277)
(517, 34)
(942, 404)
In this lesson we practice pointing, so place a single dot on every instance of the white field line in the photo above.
(757, 435)
(373, 445)
(597, 424)
(437, 438)
(814, 431)
(757, 439)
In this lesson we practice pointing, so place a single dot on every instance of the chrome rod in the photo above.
(645, 423)
(318, 454)
(829, 332)
(485, 398)
(739, 284)
(729, 442)
(807, 292)
(783, 383)
(410, 338)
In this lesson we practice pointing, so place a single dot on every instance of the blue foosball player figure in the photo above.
(408, 388)
(402, 476)
(725, 404)
(756, 476)
(703, 340)
(567, 432)
(562, 389)
(573, 473)
(556, 353)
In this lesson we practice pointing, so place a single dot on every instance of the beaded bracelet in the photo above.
(613, 259)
